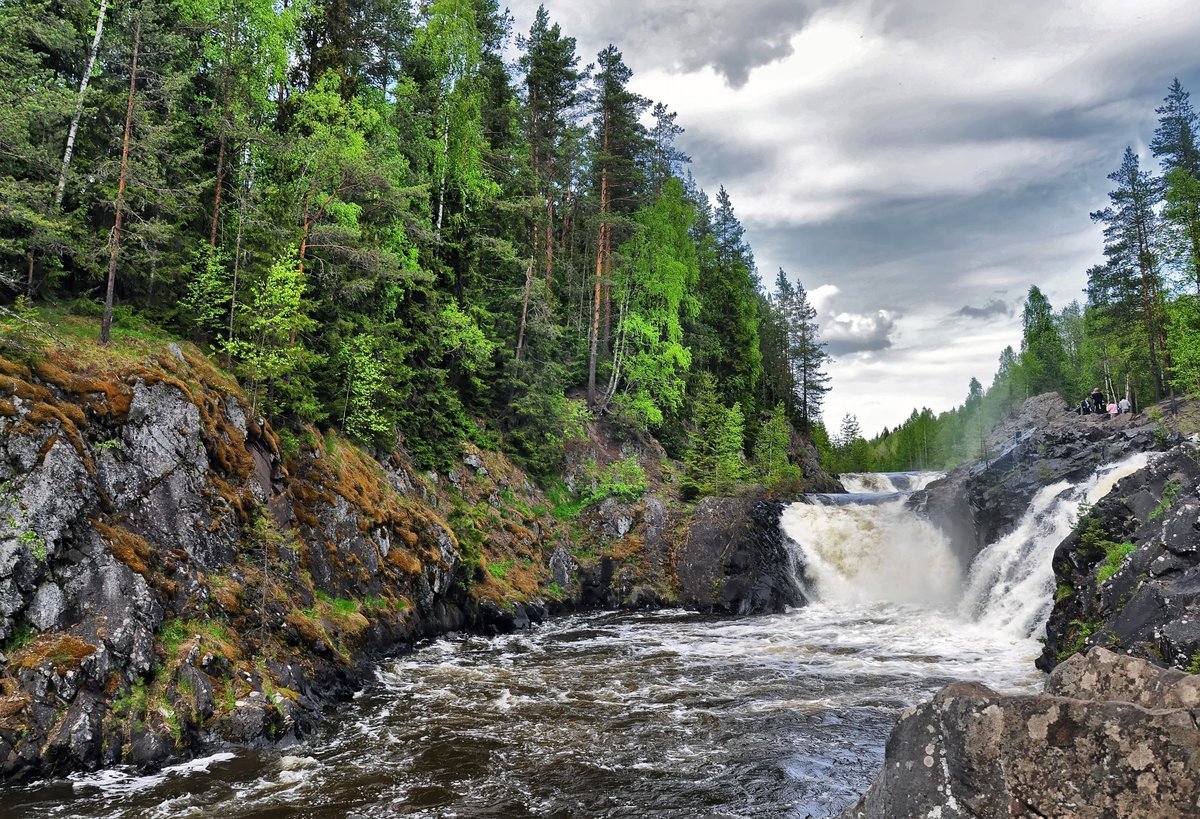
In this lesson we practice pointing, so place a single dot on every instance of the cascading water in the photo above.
(669, 714)
(1011, 583)
(868, 547)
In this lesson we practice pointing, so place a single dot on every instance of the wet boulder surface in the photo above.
(1111, 736)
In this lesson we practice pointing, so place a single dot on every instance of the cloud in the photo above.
(994, 307)
(931, 158)
(845, 332)
(683, 36)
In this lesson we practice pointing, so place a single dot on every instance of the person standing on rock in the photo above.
(1124, 406)
(1099, 405)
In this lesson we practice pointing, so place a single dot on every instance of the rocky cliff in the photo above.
(1042, 443)
(173, 574)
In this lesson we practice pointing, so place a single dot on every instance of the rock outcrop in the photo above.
(1111, 736)
(734, 560)
(1043, 443)
(1129, 575)
(173, 574)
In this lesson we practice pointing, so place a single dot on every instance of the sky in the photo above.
(916, 165)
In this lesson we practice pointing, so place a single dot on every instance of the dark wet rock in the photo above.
(734, 560)
(1149, 606)
(1043, 443)
(1111, 737)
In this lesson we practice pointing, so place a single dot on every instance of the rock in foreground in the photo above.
(1112, 736)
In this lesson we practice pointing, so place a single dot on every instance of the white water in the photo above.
(1011, 584)
(885, 482)
(878, 551)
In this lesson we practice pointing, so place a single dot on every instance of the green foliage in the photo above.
(657, 282)
(1114, 555)
(1169, 496)
(1063, 591)
(20, 637)
(23, 336)
(1080, 631)
(499, 569)
(269, 349)
(771, 448)
(714, 463)
(1193, 666)
(368, 393)
(206, 305)
(624, 479)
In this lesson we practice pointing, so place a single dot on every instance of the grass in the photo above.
(1169, 496)
(1114, 555)
(500, 568)
(1081, 630)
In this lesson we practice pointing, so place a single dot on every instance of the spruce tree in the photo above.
(1131, 279)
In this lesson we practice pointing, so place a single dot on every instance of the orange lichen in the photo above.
(404, 560)
(130, 549)
(63, 651)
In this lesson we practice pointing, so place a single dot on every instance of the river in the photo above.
(666, 714)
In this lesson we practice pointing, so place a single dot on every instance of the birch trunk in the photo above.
(115, 242)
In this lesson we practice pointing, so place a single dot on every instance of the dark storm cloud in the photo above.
(994, 308)
(683, 35)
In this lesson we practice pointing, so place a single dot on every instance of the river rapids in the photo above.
(665, 714)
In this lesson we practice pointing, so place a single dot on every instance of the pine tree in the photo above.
(1042, 353)
(771, 449)
(805, 352)
(727, 341)
(1175, 139)
(703, 457)
(552, 96)
(618, 142)
(1131, 274)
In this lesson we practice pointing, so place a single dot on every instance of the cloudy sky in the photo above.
(915, 164)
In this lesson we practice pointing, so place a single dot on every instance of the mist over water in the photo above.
(666, 714)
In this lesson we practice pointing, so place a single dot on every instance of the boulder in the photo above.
(734, 559)
(1111, 736)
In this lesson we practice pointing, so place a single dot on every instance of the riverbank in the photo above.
(176, 574)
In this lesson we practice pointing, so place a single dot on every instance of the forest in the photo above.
(381, 222)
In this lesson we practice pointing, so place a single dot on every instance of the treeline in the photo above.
(1137, 334)
(382, 226)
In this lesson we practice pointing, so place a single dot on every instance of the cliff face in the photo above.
(1129, 575)
(1041, 444)
(164, 579)
(171, 576)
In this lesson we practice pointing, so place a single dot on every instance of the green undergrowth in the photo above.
(1114, 555)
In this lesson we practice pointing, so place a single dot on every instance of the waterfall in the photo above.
(1010, 587)
(868, 547)
(887, 482)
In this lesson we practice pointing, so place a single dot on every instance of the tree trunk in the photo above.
(212, 235)
(524, 307)
(597, 290)
(73, 130)
(115, 242)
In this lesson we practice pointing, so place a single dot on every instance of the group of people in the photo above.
(1095, 404)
